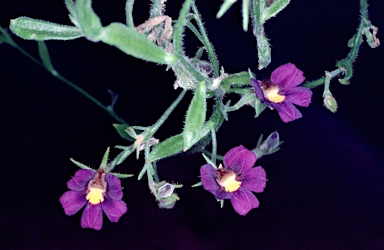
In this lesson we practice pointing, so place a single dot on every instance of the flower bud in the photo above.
(330, 103)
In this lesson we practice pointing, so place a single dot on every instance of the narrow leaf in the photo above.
(224, 7)
(121, 129)
(245, 14)
(122, 156)
(34, 29)
(44, 55)
(135, 44)
(88, 20)
(169, 147)
(80, 165)
(273, 9)
(195, 117)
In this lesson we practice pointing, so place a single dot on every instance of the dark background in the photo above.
(325, 186)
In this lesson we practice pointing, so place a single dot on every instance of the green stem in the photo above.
(355, 48)
(166, 114)
(207, 43)
(74, 86)
(214, 146)
(128, 13)
(178, 32)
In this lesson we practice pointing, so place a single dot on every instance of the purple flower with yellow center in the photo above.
(281, 92)
(99, 192)
(236, 180)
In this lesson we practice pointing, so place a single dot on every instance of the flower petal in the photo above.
(92, 217)
(239, 159)
(287, 76)
(258, 91)
(114, 209)
(299, 95)
(72, 202)
(243, 201)
(80, 180)
(287, 111)
(208, 179)
(114, 187)
(254, 180)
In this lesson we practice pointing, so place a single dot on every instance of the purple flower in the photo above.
(99, 192)
(281, 92)
(236, 180)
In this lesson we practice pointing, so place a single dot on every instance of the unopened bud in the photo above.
(330, 103)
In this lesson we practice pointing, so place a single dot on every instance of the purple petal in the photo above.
(287, 111)
(287, 76)
(72, 202)
(80, 180)
(92, 217)
(299, 95)
(114, 187)
(208, 179)
(258, 91)
(114, 209)
(243, 201)
(254, 180)
(239, 159)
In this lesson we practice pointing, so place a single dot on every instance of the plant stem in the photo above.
(72, 85)
(207, 43)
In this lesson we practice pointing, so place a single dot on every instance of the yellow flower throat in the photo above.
(96, 188)
(228, 181)
(272, 94)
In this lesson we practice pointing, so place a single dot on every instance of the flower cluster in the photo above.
(236, 180)
(281, 91)
(99, 192)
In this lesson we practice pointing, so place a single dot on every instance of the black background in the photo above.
(325, 186)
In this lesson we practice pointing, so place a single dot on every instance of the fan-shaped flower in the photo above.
(281, 92)
(236, 180)
(99, 192)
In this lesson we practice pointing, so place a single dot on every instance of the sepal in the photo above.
(80, 165)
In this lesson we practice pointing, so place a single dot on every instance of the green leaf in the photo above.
(195, 117)
(39, 30)
(120, 176)
(263, 51)
(241, 78)
(104, 162)
(135, 44)
(245, 14)
(80, 165)
(88, 20)
(121, 129)
(72, 12)
(224, 7)
(171, 146)
(273, 9)
(122, 156)
(44, 55)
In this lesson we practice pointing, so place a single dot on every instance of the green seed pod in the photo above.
(135, 44)
(39, 30)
